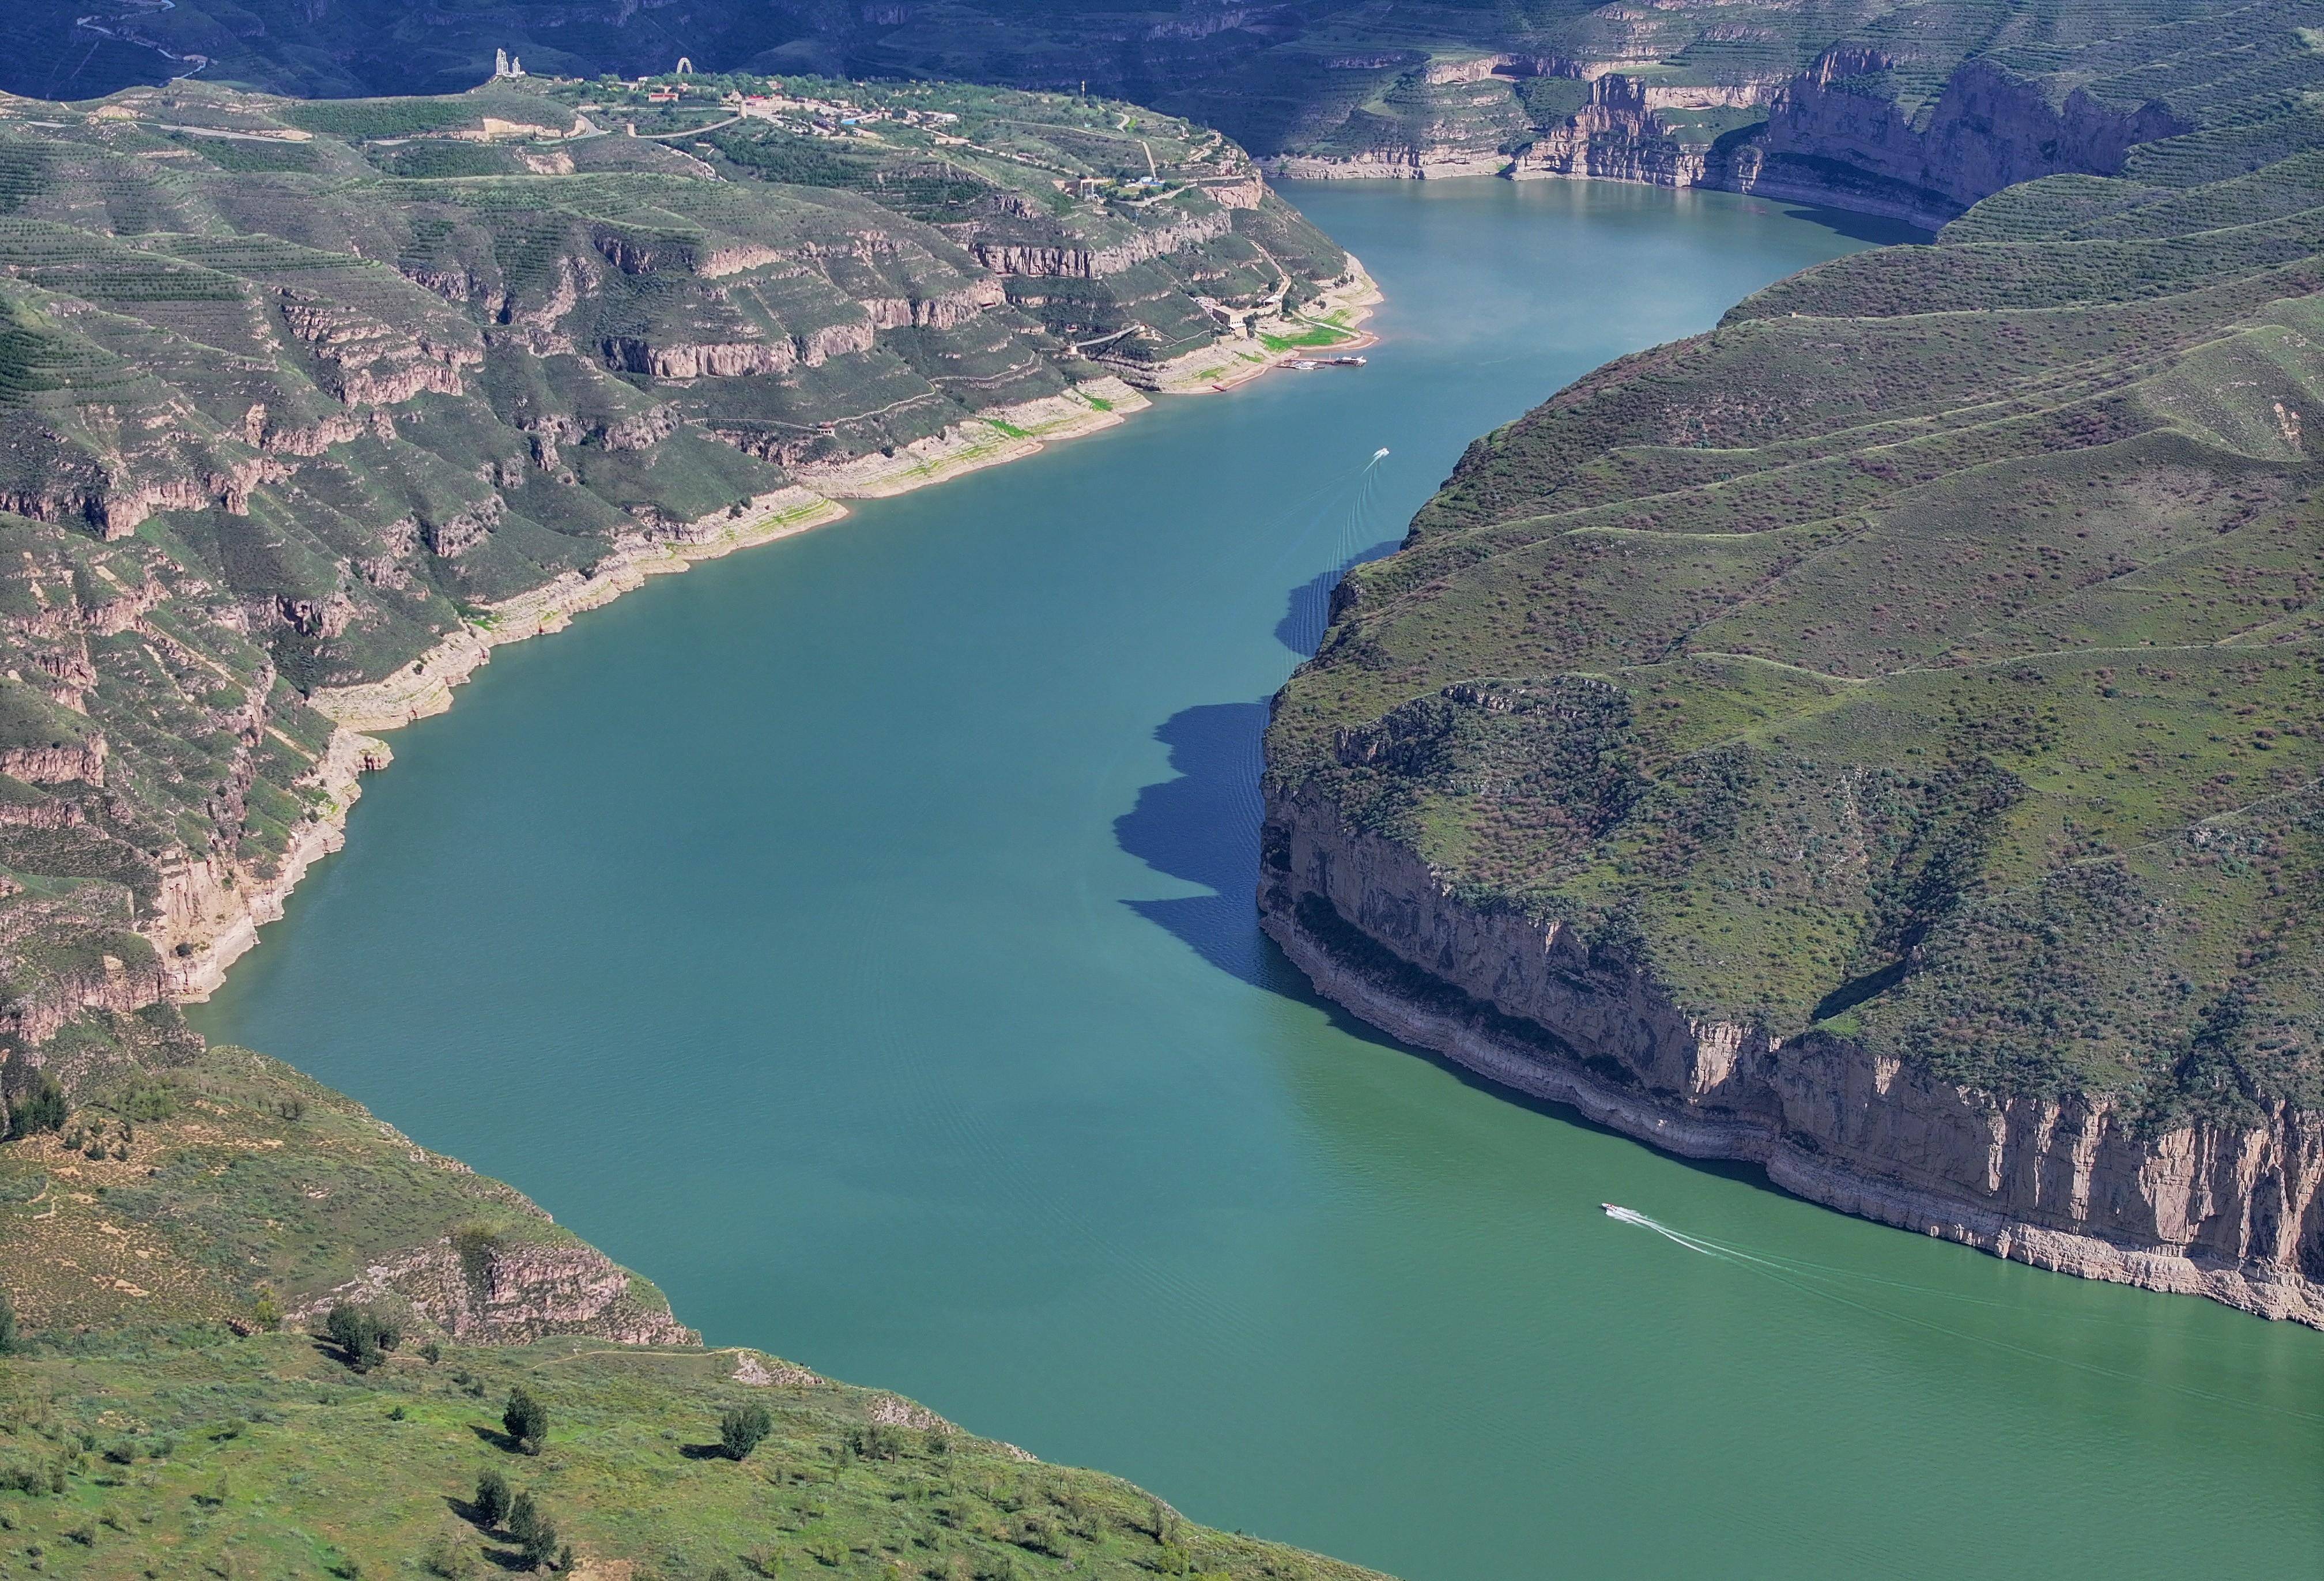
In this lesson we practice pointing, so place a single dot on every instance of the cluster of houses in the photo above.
(835, 117)
(821, 118)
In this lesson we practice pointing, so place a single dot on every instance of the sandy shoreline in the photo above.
(216, 915)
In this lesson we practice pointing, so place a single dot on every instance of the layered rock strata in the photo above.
(2234, 1213)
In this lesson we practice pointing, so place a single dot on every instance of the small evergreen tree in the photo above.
(363, 1335)
(7, 1324)
(491, 1499)
(535, 1532)
(526, 1420)
(43, 1109)
(742, 1428)
(542, 1547)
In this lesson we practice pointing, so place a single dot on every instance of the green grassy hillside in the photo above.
(171, 1405)
(187, 1452)
(1929, 655)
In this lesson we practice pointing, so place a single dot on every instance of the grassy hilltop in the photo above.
(1929, 656)
(171, 1404)
(184, 1452)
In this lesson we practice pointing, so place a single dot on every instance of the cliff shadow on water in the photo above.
(1877, 230)
(1202, 823)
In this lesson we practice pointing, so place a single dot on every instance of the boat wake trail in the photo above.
(1828, 1284)
(1631, 1216)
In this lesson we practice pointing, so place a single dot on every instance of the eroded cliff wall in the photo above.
(2234, 1213)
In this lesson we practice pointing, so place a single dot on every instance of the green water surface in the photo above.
(855, 936)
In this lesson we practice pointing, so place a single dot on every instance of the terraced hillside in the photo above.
(1882, 737)
(293, 395)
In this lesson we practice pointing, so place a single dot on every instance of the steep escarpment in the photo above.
(1877, 738)
(1987, 130)
(2231, 1208)
(1832, 136)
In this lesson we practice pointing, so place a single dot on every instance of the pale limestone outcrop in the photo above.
(115, 506)
(2079, 1184)
(111, 984)
(1617, 136)
(497, 1294)
(59, 764)
(210, 908)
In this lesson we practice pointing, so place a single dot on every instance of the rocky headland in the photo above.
(1824, 743)
(2080, 1183)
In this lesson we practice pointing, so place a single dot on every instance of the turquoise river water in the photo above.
(855, 936)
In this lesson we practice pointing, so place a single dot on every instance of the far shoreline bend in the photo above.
(423, 688)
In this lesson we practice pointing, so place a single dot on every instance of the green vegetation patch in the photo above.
(185, 1451)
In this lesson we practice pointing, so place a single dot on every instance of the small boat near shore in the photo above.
(1304, 363)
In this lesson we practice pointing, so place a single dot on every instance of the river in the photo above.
(856, 936)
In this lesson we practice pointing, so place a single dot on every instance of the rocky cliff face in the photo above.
(492, 1294)
(2234, 1213)
(1830, 137)
(1830, 134)
(1987, 131)
(1619, 135)
(1004, 255)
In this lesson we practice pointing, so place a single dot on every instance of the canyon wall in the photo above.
(2234, 1213)
(1831, 136)
(1987, 131)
